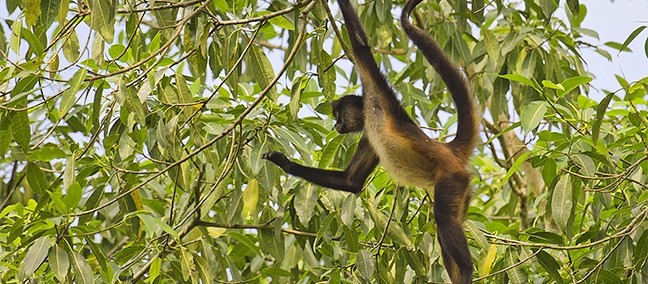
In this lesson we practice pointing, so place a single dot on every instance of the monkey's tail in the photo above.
(451, 196)
(467, 121)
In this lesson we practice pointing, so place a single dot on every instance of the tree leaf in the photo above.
(550, 265)
(186, 263)
(562, 202)
(68, 98)
(34, 257)
(365, 264)
(641, 252)
(32, 11)
(72, 196)
(59, 262)
(631, 37)
(102, 18)
(261, 69)
(572, 83)
(82, 271)
(69, 172)
(532, 114)
(395, 231)
(36, 178)
(520, 79)
(600, 113)
(586, 164)
(305, 202)
(152, 224)
(516, 165)
(348, 210)
(20, 129)
(516, 274)
(250, 198)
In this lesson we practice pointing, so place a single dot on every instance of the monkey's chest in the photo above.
(400, 160)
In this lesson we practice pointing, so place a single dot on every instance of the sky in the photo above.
(614, 21)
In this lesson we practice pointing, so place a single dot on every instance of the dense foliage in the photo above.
(131, 135)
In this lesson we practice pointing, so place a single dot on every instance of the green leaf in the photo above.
(16, 39)
(646, 47)
(69, 98)
(632, 36)
(47, 153)
(550, 265)
(552, 85)
(204, 269)
(69, 173)
(326, 74)
(102, 18)
(395, 231)
(186, 263)
(348, 210)
(516, 165)
(250, 198)
(562, 202)
(586, 164)
(59, 262)
(532, 115)
(572, 83)
(152, 224)
(618, 46)
(20, 129)
(365, 264)
(574, 6)
(600, 113)
(73, 196)
(154, 270)
(605, 277)
(261, 68)
(221, 5)
(49, 11)
(34, 257)
(305, 202)
(295, 95)
(273, 271)
(641, 252)
(520, 79)
(516, 275)
(282, 22)
(82, 271)
(36, 178)
(330, 151)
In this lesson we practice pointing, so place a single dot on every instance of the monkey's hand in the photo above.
(279, 159)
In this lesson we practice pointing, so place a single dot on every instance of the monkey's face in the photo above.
(349, 114)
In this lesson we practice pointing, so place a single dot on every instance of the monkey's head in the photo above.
(349, 114)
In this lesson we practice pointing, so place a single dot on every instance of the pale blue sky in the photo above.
(614, 21)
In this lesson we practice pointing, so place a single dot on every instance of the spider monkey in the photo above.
(391, 138)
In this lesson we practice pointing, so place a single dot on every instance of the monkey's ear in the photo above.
(335, 103)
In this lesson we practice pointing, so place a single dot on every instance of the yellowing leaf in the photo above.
(250, 198)
(487, 262)
(215, 232)
(32, 11)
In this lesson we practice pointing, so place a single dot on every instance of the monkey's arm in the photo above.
(352, 179)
